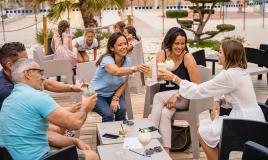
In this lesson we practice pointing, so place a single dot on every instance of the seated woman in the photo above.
(234, 82)
(168, 100)
(61, 43)
(132, 38)
(111, 77)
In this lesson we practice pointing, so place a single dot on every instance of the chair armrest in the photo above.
(151, 90)
(67, 153)
(264, 109)
(49, 57)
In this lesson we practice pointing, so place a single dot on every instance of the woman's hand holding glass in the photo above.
(164, 74)
(143, 68)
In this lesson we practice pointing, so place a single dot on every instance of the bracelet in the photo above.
(133, 69)
(115, 98)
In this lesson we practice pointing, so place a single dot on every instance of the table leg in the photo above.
(213, 68)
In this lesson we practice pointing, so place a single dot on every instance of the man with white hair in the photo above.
(26, 111)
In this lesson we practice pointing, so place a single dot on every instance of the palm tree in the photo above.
(88, 8)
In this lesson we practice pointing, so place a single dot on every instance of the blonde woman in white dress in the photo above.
(234, 83)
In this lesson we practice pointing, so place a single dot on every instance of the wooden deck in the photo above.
(88, 131)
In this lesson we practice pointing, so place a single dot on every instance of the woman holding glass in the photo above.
(168, 100)
(111, 77)
(234, 82)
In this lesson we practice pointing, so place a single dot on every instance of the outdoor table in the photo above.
(114, 127)
(116, 152)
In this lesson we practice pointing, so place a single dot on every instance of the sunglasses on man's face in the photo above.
(40, 71)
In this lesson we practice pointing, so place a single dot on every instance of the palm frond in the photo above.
(58, 9)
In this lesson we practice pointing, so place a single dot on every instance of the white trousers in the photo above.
(161, 115)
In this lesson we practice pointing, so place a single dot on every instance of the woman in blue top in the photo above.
(111, 78)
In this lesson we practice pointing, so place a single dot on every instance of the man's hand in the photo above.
(75, 107)
(215, 110)
(81, 145)
(89, 102)
(114, 105)
(171, 101)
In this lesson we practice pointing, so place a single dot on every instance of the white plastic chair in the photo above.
(53, 68)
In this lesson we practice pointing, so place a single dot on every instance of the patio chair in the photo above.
(191, 115)
(86, 71)
(254, 151)
(4, 155)
(200, 57)
(53, 68)
(67, 153)
(236, 132)
(264, 108)
(136, 56)
(257, 56)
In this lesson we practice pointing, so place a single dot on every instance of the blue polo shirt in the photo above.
(104, 83)
(23, 123)
(6, 86)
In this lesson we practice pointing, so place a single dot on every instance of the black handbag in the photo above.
(180, 138)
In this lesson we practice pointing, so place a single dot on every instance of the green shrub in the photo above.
(226, 27)
(106, 35)
(40, 36)
(238, 38)
(186, 23)
(78, 33)
(213, 44)
(176, 13)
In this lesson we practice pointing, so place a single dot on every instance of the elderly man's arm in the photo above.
(72, 121)
(59, 141)
(54, 86)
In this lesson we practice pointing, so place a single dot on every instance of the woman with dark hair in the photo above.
(111, 78)
(61, 43)
(234, 83)
(168, 100)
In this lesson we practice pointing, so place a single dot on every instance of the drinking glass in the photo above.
(170, 66)
(87, 92)
(144, 139)
(161, 66)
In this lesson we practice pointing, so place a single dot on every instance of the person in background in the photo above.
(85, 43)
(132, 38)
(234, 83)
(61, 43)
(26, 111)
(168, 100)
(111, 77)
(119, 27)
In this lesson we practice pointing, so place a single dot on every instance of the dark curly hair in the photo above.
(62, 26)
(171, 36)
(131, 30)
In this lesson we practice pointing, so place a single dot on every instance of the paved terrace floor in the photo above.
(88, 131)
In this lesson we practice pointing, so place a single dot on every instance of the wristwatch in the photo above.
(174, 79)
(133, 69)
